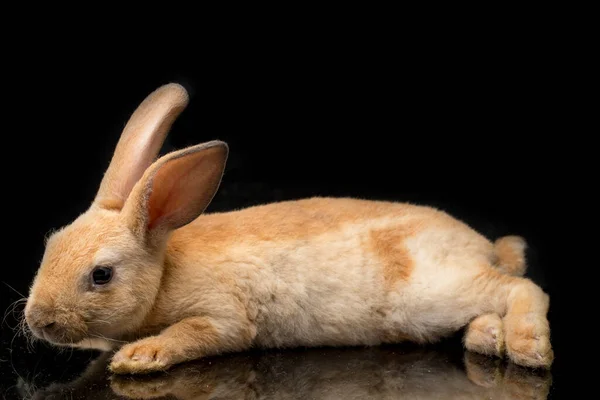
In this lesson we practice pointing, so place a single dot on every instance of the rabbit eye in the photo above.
(102, 275)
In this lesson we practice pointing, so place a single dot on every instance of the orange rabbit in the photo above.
(145, 267)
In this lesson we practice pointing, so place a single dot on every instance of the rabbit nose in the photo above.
(39, 318)
(49, 326)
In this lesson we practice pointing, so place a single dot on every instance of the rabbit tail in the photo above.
(509, 254)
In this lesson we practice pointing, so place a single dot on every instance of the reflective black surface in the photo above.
(386, 372)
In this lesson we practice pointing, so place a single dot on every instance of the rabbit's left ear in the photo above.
(176, 188)
(140, 143)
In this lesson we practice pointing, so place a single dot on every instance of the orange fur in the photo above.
(527, 329)
(394, 337)
(140, 141)
(319, 271)
(289, 220)
(510, 255)
(194, 335)
(485, 335)
(110, 204)
(388, 246)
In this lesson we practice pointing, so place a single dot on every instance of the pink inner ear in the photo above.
(182, 188)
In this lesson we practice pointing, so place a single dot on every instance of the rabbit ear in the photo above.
(177, 188)
(140, 143)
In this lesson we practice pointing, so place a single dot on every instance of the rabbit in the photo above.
(147, 273)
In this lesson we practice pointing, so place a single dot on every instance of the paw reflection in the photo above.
(372, 373)
(508, 382)
(146, 387)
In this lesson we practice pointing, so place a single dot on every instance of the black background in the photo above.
(468, 127)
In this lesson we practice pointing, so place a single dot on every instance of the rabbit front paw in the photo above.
(144, 356)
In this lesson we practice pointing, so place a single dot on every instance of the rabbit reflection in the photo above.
(377, 373)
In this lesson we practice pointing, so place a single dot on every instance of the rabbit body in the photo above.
(327, 271)
(146, 270)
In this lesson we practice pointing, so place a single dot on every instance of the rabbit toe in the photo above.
(144, 356)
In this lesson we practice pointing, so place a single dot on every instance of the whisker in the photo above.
(70, 355)
(24, 330)
(105, 338)
(112, 315)
(11, 310)
(100, 321)
(11, 359)
(15, 290)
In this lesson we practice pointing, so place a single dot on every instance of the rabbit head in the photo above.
(100, 275)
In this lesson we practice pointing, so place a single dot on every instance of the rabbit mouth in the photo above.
(59, 331)
(64, 337)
